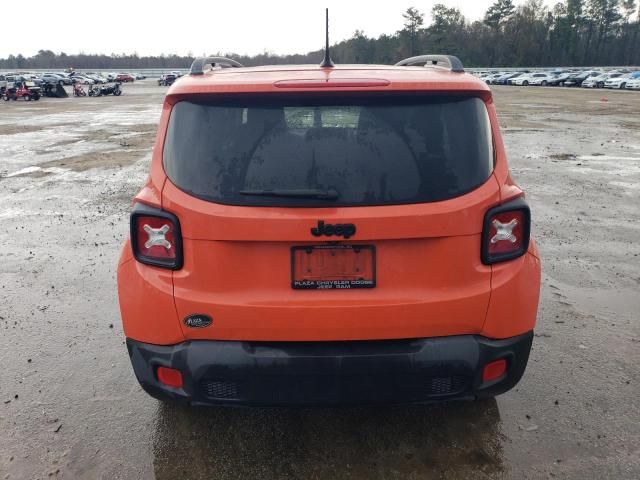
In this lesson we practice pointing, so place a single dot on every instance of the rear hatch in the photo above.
(331, 217)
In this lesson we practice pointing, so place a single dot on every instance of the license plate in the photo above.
(333, 266)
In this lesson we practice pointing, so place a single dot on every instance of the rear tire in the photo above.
(623, 86)
(525, 84)
(544, 83)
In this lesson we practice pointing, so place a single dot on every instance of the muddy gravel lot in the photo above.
(70, 406)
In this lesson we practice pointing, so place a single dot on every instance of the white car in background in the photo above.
(541, 78)
(621, 81)
(512, 80)
(536, 78)
(633, 84)
(76, 77)
(599, 81)
(491, 78)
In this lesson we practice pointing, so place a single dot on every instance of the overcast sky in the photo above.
(154, 27)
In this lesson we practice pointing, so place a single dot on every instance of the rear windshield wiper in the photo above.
(294, 193)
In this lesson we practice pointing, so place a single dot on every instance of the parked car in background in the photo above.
(166, 79)
(633, 84)
(488, 79)
(55, 78)
(77, 77)
(139, 76)
(559, 78)
(125, 78)
(512, 80)
(503, 79)
(33, 78)
(598, 82)
(540, 78)
(177, 73)
(3, 83)
(621, 81)
(96, 78)
(576, 79)
(527, 79)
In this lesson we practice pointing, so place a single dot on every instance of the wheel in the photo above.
(525, 84)
(117, 93)
(36, 97)
(27, 98)
(544, 83)
(623, 86)
(6, 98)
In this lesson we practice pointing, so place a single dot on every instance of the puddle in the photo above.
(76, 140)
(24, 171)
(533, 105)
(627, 185)
(608, 158)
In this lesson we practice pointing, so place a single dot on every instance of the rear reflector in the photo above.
(505, 232)
(156, 237)
(494, 370)
(169, 376)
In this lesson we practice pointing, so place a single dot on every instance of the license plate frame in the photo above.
(334, 284)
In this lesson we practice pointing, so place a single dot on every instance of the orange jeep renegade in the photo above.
(317, 235)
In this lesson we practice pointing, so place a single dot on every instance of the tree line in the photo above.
(571, 33)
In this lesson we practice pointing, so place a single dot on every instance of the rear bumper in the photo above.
(330, 373)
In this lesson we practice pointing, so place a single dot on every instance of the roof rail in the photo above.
(453, 63)
(197, 67)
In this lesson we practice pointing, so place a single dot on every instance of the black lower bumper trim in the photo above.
(331, 373)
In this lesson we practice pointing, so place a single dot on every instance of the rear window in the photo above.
(297, 151)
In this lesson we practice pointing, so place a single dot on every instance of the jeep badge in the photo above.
(345, 230)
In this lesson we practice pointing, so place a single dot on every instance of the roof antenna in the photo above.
(327, 62)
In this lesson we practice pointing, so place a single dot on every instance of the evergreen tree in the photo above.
(413, 21)
(500, 11)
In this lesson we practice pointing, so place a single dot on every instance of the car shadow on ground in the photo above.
(421, 441)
